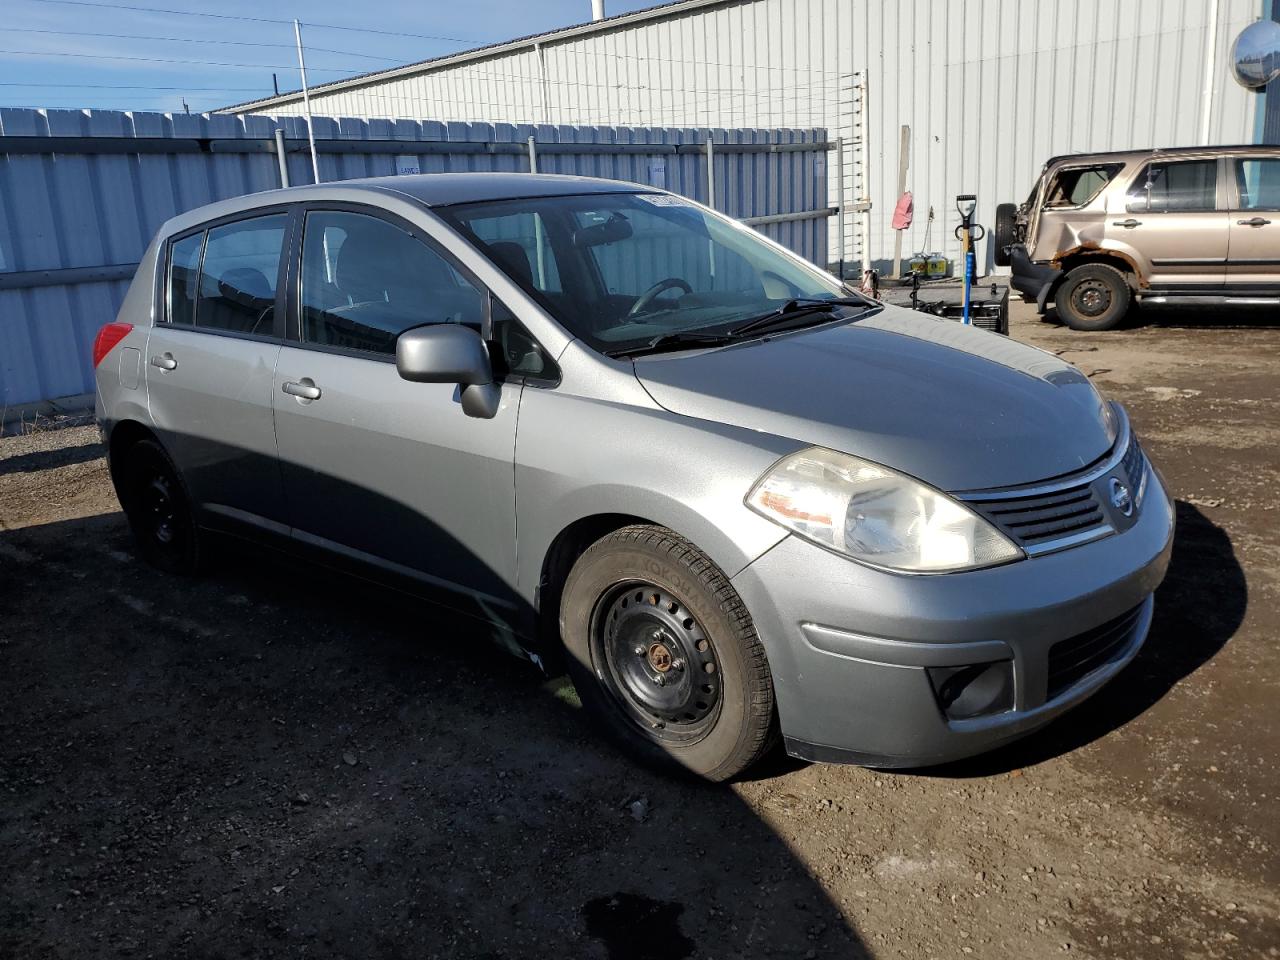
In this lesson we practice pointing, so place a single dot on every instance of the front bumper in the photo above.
(1033, 280)
(849, 645)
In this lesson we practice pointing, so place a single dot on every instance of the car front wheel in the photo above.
(1093, 297)
(664, 655)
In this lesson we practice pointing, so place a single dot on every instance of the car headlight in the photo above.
(876, 515)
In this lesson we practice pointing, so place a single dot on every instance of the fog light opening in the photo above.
(973, 690)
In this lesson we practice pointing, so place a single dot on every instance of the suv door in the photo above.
(1174, 219)
(1254, 250)
(375, 467)
(211, 356)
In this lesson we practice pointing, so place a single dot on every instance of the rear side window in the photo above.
(225, 277)
(238, 275)
(1079, 185)
(184, 278)
(365, 281)
(1181, 187)
(1258, 182)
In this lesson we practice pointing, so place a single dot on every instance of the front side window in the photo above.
(238, 275)
(365, 281)
(1180, 187)
(633, 267)
(1258, 182)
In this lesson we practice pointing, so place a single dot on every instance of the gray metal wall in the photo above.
(76, 215)
(990, 88)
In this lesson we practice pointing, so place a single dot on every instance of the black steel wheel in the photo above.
(664, 655)
(1093, 297)
(157, 508)
(655, 658)
(1004, 233)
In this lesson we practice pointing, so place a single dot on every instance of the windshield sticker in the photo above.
(663, 199)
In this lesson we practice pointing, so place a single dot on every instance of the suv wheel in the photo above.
(664, 655)
(1093, 297)
(157, 508)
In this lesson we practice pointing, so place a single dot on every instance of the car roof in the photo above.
(1126, 155)
(444, 189)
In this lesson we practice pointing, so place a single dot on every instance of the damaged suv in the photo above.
(1099, 232)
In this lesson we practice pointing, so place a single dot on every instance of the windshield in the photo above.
(620, 270)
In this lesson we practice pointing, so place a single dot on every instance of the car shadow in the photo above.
(277, 759)
(1199, 607)
(1237, 316)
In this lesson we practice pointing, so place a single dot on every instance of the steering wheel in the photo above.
(671, 283)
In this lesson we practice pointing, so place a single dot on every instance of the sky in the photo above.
(158, 54)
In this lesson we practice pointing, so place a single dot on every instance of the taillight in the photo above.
(107, 338)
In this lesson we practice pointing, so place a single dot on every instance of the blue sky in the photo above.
(55, 53)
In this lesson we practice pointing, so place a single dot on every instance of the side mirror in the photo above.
(450, 353)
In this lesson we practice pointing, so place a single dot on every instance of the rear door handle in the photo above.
(1253, 222)
(165, 362)
(303, 389)
(1127, 224)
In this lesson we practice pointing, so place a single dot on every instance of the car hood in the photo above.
(959, 408)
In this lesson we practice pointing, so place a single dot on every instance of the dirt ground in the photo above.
(276, 761)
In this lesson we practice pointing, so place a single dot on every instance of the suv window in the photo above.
(1183, 186)
(365, 281)
(1258, 182)
(1079, 185)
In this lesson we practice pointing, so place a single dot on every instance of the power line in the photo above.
(125, 86)
(207, 63)
(238, 43)
(228, 16)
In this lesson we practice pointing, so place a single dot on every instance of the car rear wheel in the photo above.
(158, 509)
(664, 655)
(1003, 233)
(1093, 297)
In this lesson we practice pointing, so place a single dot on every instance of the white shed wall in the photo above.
(990, 88)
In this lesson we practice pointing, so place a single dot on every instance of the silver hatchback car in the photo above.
(639, 441)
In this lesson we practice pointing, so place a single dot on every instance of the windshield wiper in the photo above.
(670, 342)
(796, 307)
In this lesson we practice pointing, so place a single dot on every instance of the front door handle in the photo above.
(165, 362)
(304, 389)
(1127, 224)
(1253, 222)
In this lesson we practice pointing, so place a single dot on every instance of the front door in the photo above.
(1254, 253)
(375, 467)
(1175, 220)
(210, 362)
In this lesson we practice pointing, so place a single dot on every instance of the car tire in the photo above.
(663, 654)
(1093, 297)
(158, 509)
(1002, 235)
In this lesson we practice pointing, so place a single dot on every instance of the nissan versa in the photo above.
(736, 500)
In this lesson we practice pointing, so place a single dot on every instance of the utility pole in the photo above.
(306, 101)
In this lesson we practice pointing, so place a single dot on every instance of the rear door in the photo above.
(1174, 219)
(1254, 249)
(210, 359)
(375, 467)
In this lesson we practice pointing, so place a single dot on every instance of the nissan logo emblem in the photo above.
(1120, 498)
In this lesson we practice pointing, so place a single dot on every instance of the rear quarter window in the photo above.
(1077, 186)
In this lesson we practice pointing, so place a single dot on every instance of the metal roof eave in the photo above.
(533, 41)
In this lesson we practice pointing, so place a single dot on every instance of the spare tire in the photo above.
(1003, 234)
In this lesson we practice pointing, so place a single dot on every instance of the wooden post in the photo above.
(904, 156)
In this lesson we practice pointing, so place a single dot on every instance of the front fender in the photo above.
(578, 457)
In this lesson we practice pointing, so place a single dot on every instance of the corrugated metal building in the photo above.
(989, 88)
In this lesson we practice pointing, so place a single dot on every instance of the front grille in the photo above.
(1073, 659)
(1033, 520)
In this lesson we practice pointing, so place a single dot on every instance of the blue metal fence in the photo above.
(82, 193)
